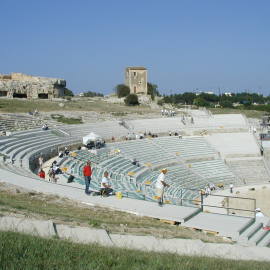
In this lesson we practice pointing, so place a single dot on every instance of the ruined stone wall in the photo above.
(27, 86)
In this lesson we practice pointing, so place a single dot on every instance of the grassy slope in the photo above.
(65, 211)
(97, 105)
(248, 113)
(18, 251)
(24, 106)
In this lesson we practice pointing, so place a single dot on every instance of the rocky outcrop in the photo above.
(26, 86)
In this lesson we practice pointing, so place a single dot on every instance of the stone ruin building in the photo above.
(19, 85)
(136, 79)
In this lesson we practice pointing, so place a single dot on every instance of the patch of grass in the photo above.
(19, 251)
(91, 104)
(62, 119)
(58, 133)
(66, 211)
(94, 223)
(119, 114)
(247, 113)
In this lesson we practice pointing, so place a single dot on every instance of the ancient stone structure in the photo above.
(136, 79)
(20, 85)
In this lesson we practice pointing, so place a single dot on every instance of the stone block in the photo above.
(83, 235)
(146, 243)
(41, 228)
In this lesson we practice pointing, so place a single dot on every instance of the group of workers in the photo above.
(106, 189)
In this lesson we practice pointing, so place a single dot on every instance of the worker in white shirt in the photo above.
(160, 186)
(231, 187)
(105, 188)
(259, 214)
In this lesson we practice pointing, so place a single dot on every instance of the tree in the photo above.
(122, 90)
(152, 90)
(92, 94)
(188, 97)
(131, 100)
(209, 97)
(226, 104)
(200, 102)
(68, 92)
(161, 102)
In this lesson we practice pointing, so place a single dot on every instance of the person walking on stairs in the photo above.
(160, 186)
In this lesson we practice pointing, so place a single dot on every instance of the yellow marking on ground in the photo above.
(167, 221)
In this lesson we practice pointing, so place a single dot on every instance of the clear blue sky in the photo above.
(185, 45)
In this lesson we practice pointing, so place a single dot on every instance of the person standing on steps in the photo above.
(87, 172)
(231, 188)
(40, 162)
(160, 186)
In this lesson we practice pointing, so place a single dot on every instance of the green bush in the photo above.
(122, 90)
(161, 102)
(152, 90)
(200, 102)
(132, 100)
(68, 92)
(62, 119)
(226, 104)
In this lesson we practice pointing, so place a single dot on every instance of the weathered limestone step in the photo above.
(250, 171)
(83, 235)
(30, 226)
(250, 231)
(258, 237)
(265, 242)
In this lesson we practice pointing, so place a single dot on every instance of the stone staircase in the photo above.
(18, 122)
(255, 235)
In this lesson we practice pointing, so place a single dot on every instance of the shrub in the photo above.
(68, 98)
(68, 92)
(200, 102)
(131, 100)
(122, 90)
(152, 90)
(226, 104)
(161, 102)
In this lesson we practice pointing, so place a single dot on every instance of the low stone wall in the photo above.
(87, 235)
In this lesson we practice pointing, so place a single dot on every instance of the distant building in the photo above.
(205, 92)
(19, 85)
(136, 79)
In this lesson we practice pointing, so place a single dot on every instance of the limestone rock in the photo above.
(26, 86)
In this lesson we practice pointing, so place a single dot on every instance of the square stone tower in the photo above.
(136, 79)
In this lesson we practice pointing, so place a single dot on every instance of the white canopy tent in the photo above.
(91, 137)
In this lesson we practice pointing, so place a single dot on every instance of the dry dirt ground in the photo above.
(259, 192)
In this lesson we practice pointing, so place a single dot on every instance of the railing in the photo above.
(230, 205)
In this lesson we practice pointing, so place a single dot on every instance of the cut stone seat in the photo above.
(35, 151)
(257, 238)
(32, 132)
(111, 160)
(22, 148)
(19, 170)
(265, 241)
(9, 147)
(224, 225)
(250, 170)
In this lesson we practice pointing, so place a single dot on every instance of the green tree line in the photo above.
(227, 101)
